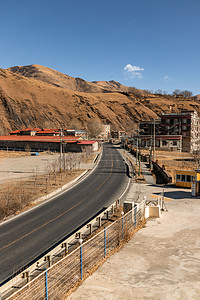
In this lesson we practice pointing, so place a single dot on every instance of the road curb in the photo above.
(49, 197)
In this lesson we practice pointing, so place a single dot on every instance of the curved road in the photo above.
(26, 237)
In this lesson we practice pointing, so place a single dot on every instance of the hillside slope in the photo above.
(58, 79)
(29, 101)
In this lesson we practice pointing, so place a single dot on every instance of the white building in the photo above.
(105, 134)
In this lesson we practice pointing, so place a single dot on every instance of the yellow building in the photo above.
(185, 178)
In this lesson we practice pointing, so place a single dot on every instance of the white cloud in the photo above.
(134, 71)
(130, 68)
(168, 78)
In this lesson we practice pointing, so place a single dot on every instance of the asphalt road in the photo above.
(25, 238)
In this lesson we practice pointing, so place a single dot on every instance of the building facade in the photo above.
(105, 133)
(185, 124)
(148, 127)
(165, 142)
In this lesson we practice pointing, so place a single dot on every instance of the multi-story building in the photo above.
(118, 134)
(105, 133)
(147, 127)
(185, 124)
(165, 142)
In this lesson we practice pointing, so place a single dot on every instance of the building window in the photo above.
(183, 178)
(178, 177)
(164, 143)
(174, 143)
(188, 178)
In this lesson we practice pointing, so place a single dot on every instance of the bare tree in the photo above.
(75, 124)
(159, 92)
(165, 92)
(176, 92)
(187, 94)
(94, 127)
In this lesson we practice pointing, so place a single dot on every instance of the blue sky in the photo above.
(148, 44)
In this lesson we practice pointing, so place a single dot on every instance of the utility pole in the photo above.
(154, 139)
(137, 151)
(150, 157)
(60, 149)
(139, 157)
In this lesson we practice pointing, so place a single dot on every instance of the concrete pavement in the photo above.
(22, 167)
(149, 179)
(162, 261)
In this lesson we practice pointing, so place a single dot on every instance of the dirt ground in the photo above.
(5, 154)
(26, 178)
(162, 260)
(175, 161)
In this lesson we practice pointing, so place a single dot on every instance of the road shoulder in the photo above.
(162, 261)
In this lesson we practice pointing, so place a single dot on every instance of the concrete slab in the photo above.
(162, 261)
(23, 167)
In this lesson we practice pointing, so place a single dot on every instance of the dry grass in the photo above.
(20, 195)
(38, 96)
(88, 159)
(9, 154)
(174, 161)
(136, 169)
(141, 176)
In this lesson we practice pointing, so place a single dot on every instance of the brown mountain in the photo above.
(36, 96)
(58, 79)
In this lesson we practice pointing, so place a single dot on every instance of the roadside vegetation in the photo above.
(172, 160)
(19, 195)
(8, 154)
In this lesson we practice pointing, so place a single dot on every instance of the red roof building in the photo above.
(44, 143)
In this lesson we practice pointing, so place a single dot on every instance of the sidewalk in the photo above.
(149, 179)
(162, 261)
(137, 190)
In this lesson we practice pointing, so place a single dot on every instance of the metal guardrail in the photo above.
(61, 250)
(59, 278)
(56, 254)
(28, 272)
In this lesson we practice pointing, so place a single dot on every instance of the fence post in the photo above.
(46, 285)
(122, 225)
(135, 215)
(145, 199)
(81, 258)
(104, 241)
(65, 246)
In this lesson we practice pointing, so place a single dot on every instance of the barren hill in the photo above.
(42, 98)
(64, 81)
